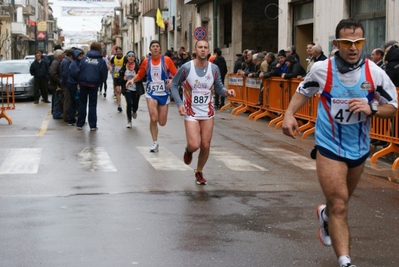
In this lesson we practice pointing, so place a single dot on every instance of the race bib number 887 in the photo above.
(341, 113)
(199, 99)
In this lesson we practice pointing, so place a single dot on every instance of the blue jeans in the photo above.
(90, 94)
(74, 104)
(56, 105)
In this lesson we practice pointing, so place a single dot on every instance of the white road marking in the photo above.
(20, 160)
(292, 158)
(96, 159)
(163, 160)
(234, 162)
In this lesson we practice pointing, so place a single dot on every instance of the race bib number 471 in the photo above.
(341, 113)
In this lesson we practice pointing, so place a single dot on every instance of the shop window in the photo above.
(372, 14)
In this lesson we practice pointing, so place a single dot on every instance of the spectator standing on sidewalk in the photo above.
(221, 63)
(350, 87)
(39, 69)
(92, 72)
(376, 56)
(64, 68)
(55, 84)
(391, 59)
(72, 84)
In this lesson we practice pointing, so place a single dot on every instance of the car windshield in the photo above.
(14, 67)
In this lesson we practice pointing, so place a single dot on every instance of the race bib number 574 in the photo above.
(341, 113)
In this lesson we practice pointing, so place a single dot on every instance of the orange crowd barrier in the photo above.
(7, 95)
(307, 113)
(251, 95)
(277, 98)
(386, 130)
(235, 82)
(277, 94)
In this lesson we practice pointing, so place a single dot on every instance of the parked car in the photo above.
(30, 57)
(23, 81)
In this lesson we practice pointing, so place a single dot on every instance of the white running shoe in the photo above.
(129, 125)
(134, 114)
(154, 148)
(324, 236)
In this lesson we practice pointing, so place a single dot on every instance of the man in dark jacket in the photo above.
(39, 70)
(249, 64)
(271, 71)
(92, 72)
(64, 69)
(294, 68)
(183, 58)
(221, 63)
(72, 84)
(391, 60)
(238, 63)
(55, 84)
(317, 53)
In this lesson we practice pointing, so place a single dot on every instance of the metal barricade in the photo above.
(7, 95)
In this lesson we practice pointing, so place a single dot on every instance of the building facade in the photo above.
(263, 25)
(26, 25)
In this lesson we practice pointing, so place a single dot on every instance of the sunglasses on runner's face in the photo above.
(347, 43)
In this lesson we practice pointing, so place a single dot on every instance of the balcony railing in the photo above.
(195, 1)
(7, 7)
(150, 7)
(5, 15)
(29, 10)
(21, 3)
(18, 28)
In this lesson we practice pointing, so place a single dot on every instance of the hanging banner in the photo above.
(87, 11)
(80, 35)
(88, 1)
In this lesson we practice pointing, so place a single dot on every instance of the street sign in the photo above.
(41, 35)
(200, 33)
(42, 26)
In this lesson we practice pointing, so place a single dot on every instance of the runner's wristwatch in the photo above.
(373, 108)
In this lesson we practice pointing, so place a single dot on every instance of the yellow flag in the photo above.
(160, 19)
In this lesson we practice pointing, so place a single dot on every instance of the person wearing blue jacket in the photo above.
(72, 84)
(92, 72)
(66, 61)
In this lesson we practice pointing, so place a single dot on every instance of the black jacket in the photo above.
(39, 69)
(121, 81)
(237, 66)
(295, 70)
(271, 69)
(392, 67)
(55, 75)
(221, 63)
(249, 68)
(321, 57)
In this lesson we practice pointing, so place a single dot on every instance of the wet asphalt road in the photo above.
(81, 198)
